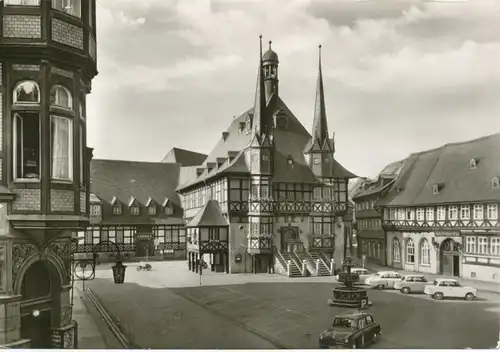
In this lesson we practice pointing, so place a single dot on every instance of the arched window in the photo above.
(26, 92)
(26, 132)
(60, 96)
(410, 251)
(396, 251)
(425, 252)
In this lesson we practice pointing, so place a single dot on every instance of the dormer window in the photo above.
(290, 160)
(495, 183)
(169, 210)
(435, 189)
(152, 210)
(473, 163)
(95, 209)
(117, 209)
(134, 210)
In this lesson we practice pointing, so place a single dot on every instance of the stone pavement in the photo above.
(93, 332)
(485, 286)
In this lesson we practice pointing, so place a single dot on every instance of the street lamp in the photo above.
(82, 264)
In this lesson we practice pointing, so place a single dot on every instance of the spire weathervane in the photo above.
(270, 42)
(260, 39)
(319, 49)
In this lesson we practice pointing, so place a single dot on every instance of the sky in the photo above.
(400, 76)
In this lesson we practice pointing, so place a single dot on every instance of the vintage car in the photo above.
(351, 330)
(363, 274)
(383, 279)
(451, 288)
(411, 284)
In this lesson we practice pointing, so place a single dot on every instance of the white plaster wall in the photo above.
(390, 260)
(432, 267)
(483, 272)
(237, 245)
(338, 255)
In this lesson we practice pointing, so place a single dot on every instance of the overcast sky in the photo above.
(400, 76)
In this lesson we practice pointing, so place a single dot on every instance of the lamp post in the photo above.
(80, 265)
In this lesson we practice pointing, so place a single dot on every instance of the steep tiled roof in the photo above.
(289, 141)
(209, 215)
(140, 180)
(448, 166)
(383, 180)
(184, 157)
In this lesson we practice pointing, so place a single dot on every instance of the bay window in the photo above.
(71, 7)
(62, 148)
(26, 143)
(61, 97)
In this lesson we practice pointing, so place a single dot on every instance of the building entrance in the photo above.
(290, 241)
(450, 258)
(40, 304)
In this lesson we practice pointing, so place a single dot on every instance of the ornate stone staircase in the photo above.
(284, 258)
(324, 267)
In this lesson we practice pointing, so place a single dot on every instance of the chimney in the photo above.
(199, 171)
(224, 135)
(220, 161)
(231, 155)
(210, 166)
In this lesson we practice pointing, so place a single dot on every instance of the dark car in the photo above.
(351, 330)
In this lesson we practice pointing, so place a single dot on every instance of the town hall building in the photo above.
(270, 197)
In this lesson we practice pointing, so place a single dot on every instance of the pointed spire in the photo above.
(270, 42)
(320, 125)
(259, 121)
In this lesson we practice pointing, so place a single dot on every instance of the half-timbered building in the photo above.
(441, 213)
(134, 205)
(280, 188)
(369, 231)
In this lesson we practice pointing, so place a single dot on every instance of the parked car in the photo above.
(442, 288)
(363, 274)
(351, 330)
(411, 284)
(383, 279)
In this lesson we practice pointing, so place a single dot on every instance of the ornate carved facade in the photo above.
(47, 63)
(280, 188)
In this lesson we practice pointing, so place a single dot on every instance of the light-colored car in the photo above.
(412, 284)
(441, 288)
(383, 279)
(363, 274)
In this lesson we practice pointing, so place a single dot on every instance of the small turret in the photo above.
(270, 64)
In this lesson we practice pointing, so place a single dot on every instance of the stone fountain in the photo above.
(350, 295)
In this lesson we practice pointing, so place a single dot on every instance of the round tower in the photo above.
(47, 63)
(270, 64)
